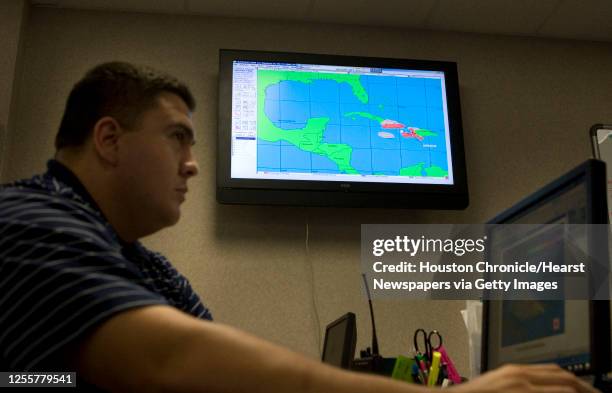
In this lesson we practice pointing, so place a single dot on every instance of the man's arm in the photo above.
(159, 348)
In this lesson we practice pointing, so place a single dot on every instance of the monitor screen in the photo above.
(571, 333)
(339, 130)
(340, 341)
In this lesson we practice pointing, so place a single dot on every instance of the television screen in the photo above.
(300, 129)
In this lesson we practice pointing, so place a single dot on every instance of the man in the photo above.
(78, 292)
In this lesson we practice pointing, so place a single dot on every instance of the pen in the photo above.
(425, 377)
(420, 362)
(415, 374)
(443, 373)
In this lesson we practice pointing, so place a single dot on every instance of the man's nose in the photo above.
(190, 166)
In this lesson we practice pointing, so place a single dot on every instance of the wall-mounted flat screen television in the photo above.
(327, 130)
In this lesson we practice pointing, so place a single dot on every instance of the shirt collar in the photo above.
(61, 172)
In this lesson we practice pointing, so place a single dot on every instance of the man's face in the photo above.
(155, 162)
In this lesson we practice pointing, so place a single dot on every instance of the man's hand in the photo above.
(545, 378)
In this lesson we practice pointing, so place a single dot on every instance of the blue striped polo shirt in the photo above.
(64, 270)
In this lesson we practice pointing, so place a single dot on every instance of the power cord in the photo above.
(313, 288)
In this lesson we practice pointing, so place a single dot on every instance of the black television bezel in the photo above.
(334, 193)
(350, 339)
(594, 174)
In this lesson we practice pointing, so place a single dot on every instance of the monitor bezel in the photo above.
(594, 174)
(335, 193)
(593, 133)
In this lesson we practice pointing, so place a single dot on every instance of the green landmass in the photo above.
(366, 115)
(424, 132)
(310, 137)
(436, 171)
(414, 170)
(417, 170)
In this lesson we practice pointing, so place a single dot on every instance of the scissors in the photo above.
(429, 348)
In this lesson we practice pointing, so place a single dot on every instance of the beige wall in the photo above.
(13, 15)
(527, 105)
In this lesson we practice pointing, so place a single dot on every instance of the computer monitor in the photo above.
(306, 129)
(572, 333)
(340, 341)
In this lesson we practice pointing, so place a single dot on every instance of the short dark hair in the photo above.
(118, 89)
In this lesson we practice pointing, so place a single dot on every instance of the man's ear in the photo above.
(106, 133)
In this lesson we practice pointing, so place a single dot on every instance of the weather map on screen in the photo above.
(336, 123)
